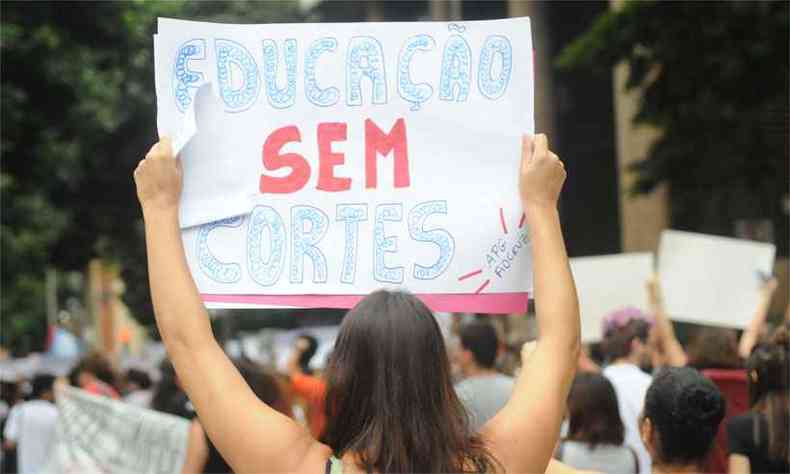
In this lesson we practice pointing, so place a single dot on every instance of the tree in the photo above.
(78, 113)
(714, 80)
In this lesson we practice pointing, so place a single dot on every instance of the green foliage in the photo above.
(78, 112)
(714, 79)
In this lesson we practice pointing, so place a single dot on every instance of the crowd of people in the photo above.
(398, 395)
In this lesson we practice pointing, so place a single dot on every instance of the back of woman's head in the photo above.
(769, 382)
(390, 400)
(684, 410)
(594, 417)
(714, 348)
(98, 365)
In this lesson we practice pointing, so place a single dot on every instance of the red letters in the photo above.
(377, 142)
(273, 160)
(327, 160)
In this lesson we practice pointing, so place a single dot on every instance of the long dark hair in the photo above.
(390, 400)
(593, 412)
(769, 374)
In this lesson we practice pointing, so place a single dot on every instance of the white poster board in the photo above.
(606, 283)
(97, 435)
(712, 280)
(336, 159)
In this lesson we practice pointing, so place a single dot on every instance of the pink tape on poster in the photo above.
(496, 303)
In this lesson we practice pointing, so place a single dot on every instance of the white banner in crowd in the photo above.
(712, 280)
(99, 435)
(606, 283)
(336, 159)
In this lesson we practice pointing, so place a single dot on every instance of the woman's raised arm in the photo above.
(524, 433)
(251, 436)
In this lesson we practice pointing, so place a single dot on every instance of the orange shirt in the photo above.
(313, 391)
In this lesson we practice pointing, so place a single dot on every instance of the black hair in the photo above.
(139, 377)
(480, 338)
(769, 382)
(168, 397)
(685, 410)
(594, 416)
(41, 384)
(307, 355)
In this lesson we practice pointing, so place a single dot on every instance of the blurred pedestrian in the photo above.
(138, 388)
(31, 426)
(596, 434)
(483, 390)
(759, 440)
(718, 353)
(682, 413)
(310, 388)
(95, 375)
(11, 395)
(626, 347)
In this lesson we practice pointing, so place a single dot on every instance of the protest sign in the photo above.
(712, 280)
(606, 283)
(99, 435)
(336, 159)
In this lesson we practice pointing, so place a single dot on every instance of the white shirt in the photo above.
(140, 398)
(32, 426)
(630, 385)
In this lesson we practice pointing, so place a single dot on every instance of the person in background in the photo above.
(390, 401)
(11, 396)
(95, 375)
(718, 354)
(307, 346)
(626, 348)
(168, 396)
(31, 426)
(202, 455)
(483, 390)
(711, 347)
(759, 440)
(682, 413)
(139, 391)
(596, 434)
(310, 388)
(586, 362)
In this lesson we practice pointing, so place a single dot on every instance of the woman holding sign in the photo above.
(390, 403)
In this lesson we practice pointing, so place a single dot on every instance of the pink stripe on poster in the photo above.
(494, 303)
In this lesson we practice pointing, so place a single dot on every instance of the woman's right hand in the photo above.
(542, 173)
(158, 178)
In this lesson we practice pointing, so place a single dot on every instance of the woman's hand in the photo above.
(542, 173)
(158, 178)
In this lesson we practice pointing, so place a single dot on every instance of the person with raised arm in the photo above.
(390, 401)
